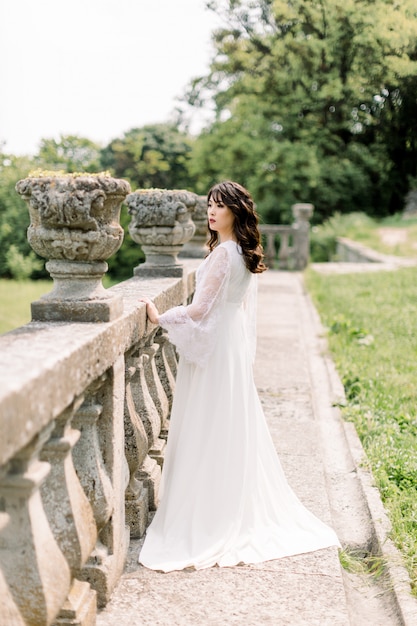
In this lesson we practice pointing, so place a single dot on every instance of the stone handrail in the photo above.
(349, 251)
(84, 412)
(85, 397)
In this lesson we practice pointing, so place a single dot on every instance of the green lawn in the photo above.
(16, 296)
(15, 299)
(372, 333)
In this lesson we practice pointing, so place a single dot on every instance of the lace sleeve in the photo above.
(192, 328)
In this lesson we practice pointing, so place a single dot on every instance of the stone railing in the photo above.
(348, 251)
(292, 251)
(85, 396)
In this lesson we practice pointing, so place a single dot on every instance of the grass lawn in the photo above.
(16, 296)
(15, 299)
(372, 334)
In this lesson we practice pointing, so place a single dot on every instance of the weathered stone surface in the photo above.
(75, 224)
(33, 566)
(196, 247)
(161, 223)
(46, 365)
(74, 217)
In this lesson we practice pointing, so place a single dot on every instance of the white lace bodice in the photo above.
(222, 278)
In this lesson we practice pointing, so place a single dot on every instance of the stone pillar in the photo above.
(301, 229)
(161, 223)
(35, 570)
(8, 609)
(136, 451)
(75, 224)
(150, 470)
(165, 370)
(196, 248)
(71, 518)
(102, 469)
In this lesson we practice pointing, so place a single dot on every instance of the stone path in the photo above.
(322, 459)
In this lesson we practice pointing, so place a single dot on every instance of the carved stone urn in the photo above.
(75, 224)
(161, 223)
(196, 248)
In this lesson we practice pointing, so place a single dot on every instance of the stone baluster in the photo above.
(36, 572)
(157, 391)
(9, 611)
(71, 518)
(166, 371)
(136, 450)
(270, 249)
(102, 469)
(284, 247)
(150, 471)
(171, 357)
(302, 214)
(75, 224)
(161, 223)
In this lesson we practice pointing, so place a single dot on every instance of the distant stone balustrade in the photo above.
(292, 252)
(86, 393)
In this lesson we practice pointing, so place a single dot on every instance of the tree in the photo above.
(303, 85)
(70, 154)
(17, 259)
(152, 156)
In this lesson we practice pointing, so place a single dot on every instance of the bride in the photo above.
(224, 498)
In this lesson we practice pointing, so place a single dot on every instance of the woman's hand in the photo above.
(151, 310)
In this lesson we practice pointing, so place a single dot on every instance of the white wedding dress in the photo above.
(224, 498)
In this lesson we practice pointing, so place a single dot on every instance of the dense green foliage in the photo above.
(69, 154)
(16, 256)
(315, 102)
(373, 339)
(153, 156)
(15, 300)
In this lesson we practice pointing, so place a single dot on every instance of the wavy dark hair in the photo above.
(245, 226)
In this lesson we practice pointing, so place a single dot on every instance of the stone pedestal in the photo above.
(161, 223)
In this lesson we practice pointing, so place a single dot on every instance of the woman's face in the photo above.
(221, 219)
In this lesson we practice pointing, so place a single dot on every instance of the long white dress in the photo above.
(224, 498)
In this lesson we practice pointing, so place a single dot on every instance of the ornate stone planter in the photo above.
(75, 224)
(196, 248)
(161, 223)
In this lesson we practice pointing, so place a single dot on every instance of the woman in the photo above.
(224, 498)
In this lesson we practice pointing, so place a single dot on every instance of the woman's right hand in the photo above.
(151, 310)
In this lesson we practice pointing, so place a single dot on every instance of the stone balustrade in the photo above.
(293, 249)
(85, 397)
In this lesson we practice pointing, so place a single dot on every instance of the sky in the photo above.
(96, 68)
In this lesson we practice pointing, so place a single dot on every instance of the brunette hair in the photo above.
(245, 226)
